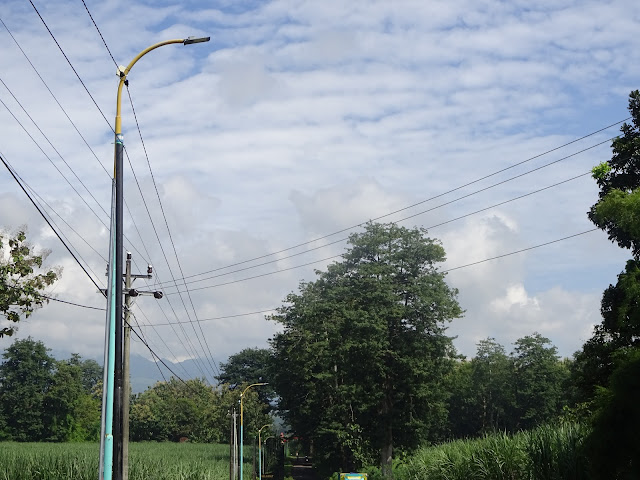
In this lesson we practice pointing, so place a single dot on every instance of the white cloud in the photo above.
(299, 119)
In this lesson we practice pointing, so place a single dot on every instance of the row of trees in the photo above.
(174, 410)
(43, 399)
(499, 392)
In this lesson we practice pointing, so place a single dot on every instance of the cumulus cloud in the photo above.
(300, 119)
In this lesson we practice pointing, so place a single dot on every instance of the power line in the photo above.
(412, 205)
(54, 97)
(404, 219)
(519, 251)
(224, 317)
(441, 271)
(51, 161)
(341, 255)
(48, 222)
(100, 33)
(131, 244)
(71, 65)
(162, 339)
(67, 302)
(212, 361)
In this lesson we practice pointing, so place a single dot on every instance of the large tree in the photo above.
(492, 380)
(248, 366)
(361, 362)
(538, 380)
(20, 286)
(616, 212)
(25, 378)
(609, 363)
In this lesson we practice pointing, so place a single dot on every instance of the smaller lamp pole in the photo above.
(242, 422)
(260, 450)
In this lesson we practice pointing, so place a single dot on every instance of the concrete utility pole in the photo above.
(113, 458)
(235, 445)
(231, 445)
(126, 383)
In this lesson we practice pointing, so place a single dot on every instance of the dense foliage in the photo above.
(42, 399)
(362, 360)
(608, 366)
(249, 366)
(499, 392)
(20, 287)
(175, 410)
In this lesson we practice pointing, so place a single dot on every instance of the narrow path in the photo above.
(304, 470)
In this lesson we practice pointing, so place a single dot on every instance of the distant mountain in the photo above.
(145, 373)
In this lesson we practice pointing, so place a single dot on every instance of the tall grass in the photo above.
(73, 461)
(547, 453)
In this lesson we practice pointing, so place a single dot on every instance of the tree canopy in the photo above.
(606, 369)
(43, 399)
(20, 286)
(619, 179)
(363, 355)
(251, 365)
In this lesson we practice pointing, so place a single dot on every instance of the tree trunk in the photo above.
(386, 452)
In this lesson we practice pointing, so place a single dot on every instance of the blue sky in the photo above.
(300, 119)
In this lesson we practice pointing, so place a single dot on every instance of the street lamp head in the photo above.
(190, 40)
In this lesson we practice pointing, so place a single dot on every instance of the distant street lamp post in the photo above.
(113, 429)
(242, 421)
(260, 450)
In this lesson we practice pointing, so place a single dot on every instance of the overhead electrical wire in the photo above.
(317, 239)
(56, 167)
(72, 67)
(54, 97)
(519, 251)
(100, 33)
(210, 357)
(177, 362)
(408, 217)
(67, 302)
(68, 117)
(56, 229)
(340, 255)
(515, 252)
(131, 244)
(160, 243)
(51, 161)
(53, 210)
(13, 174)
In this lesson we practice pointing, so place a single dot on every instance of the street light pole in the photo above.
(116, 263)
(241, 421)
(260, 450)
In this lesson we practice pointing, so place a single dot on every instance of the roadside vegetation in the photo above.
(79, 461)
